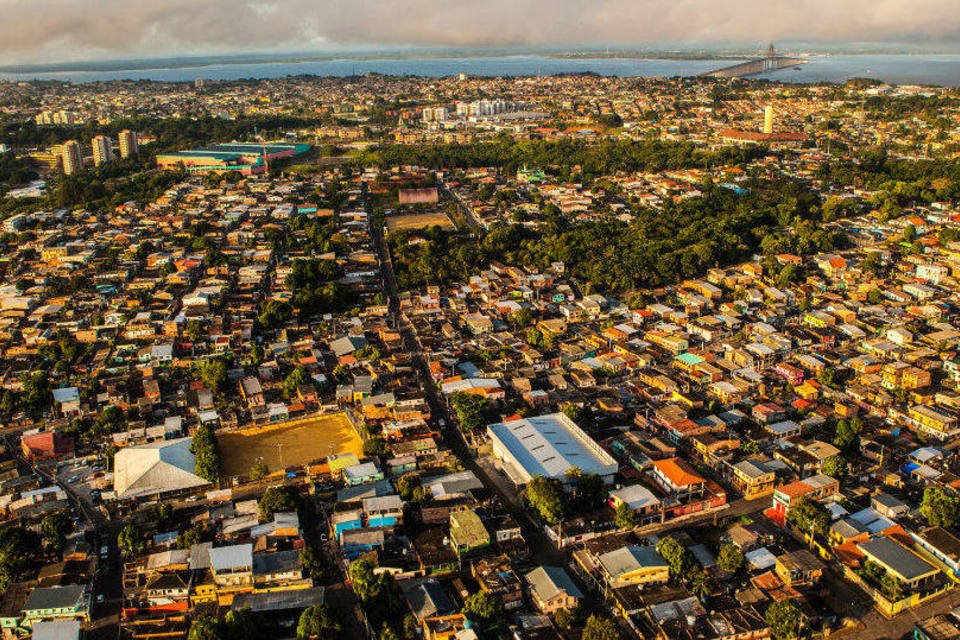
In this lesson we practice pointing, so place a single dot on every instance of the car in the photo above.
(73, 479)
(99, 598)
(98, 474)
(104, 551)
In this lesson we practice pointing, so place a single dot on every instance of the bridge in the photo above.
(770, 62)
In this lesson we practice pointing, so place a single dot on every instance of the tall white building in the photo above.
(72, 157)
(102, 150)
(129, 146)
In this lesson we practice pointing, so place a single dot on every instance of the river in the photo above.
(943, 70)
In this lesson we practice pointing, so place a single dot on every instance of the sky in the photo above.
(36, 31)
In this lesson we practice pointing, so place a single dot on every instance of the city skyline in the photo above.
(62, 31)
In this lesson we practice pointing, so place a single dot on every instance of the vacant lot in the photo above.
(292, 443)
(419, 221)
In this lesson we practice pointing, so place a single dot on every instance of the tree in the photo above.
(318, 621)
(207, 453)
(54, 528)
(275, 314)
(784, 618)
(676, 555)
(892, 587)
(521, 318)
(847, 437)
(484, 609)
(406, 483)
(835, 467)
(375, 446)
(130, 541)
(471, 409)
(242, 624)
(730, 558)
(940, 507)
(205, 627)
(566, 619)
(259, 470)
(314, 562)
(625, 517)
(591, 490)
(214, 374)
(110, 420)
(366, 584)
(701, 584)
(19, 549)
(196, 534)
(546, 495)
(297, 378)
(279, 499)
(581, 415)
(600, 628)
(809, 516)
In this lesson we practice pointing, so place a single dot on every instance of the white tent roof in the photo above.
(156, 467)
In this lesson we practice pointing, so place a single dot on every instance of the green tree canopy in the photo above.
(319, 622)
(472, 411)
(835, 467)
(940, 507)
(484, 609)
(547, 496)
(599, 627)
(279, 499)
(625, 517)
(784, 618)
(730, 558)
(130, 541)
(809, 516)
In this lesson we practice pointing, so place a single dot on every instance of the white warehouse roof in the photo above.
(548, 446)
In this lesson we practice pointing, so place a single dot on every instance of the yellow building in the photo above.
(633, 565)
(929, 420)
(753, 479)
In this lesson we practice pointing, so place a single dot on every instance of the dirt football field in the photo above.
(292, 443)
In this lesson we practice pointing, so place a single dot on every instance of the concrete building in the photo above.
(72, 157)
(129, 145)
(548, 446)
(102, 150)
(633, 565)
(551, 589)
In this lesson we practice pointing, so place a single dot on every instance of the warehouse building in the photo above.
(548, 446)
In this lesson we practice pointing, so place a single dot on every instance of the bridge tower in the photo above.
(770, 61)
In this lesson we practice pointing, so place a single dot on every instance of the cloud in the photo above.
(33, 30)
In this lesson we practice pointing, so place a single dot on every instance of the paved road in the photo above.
(874, 626)
(472, 220)
(542, 550)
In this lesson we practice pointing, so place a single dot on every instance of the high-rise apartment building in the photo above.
(102, 150)
(128, 143)
(72, 157)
